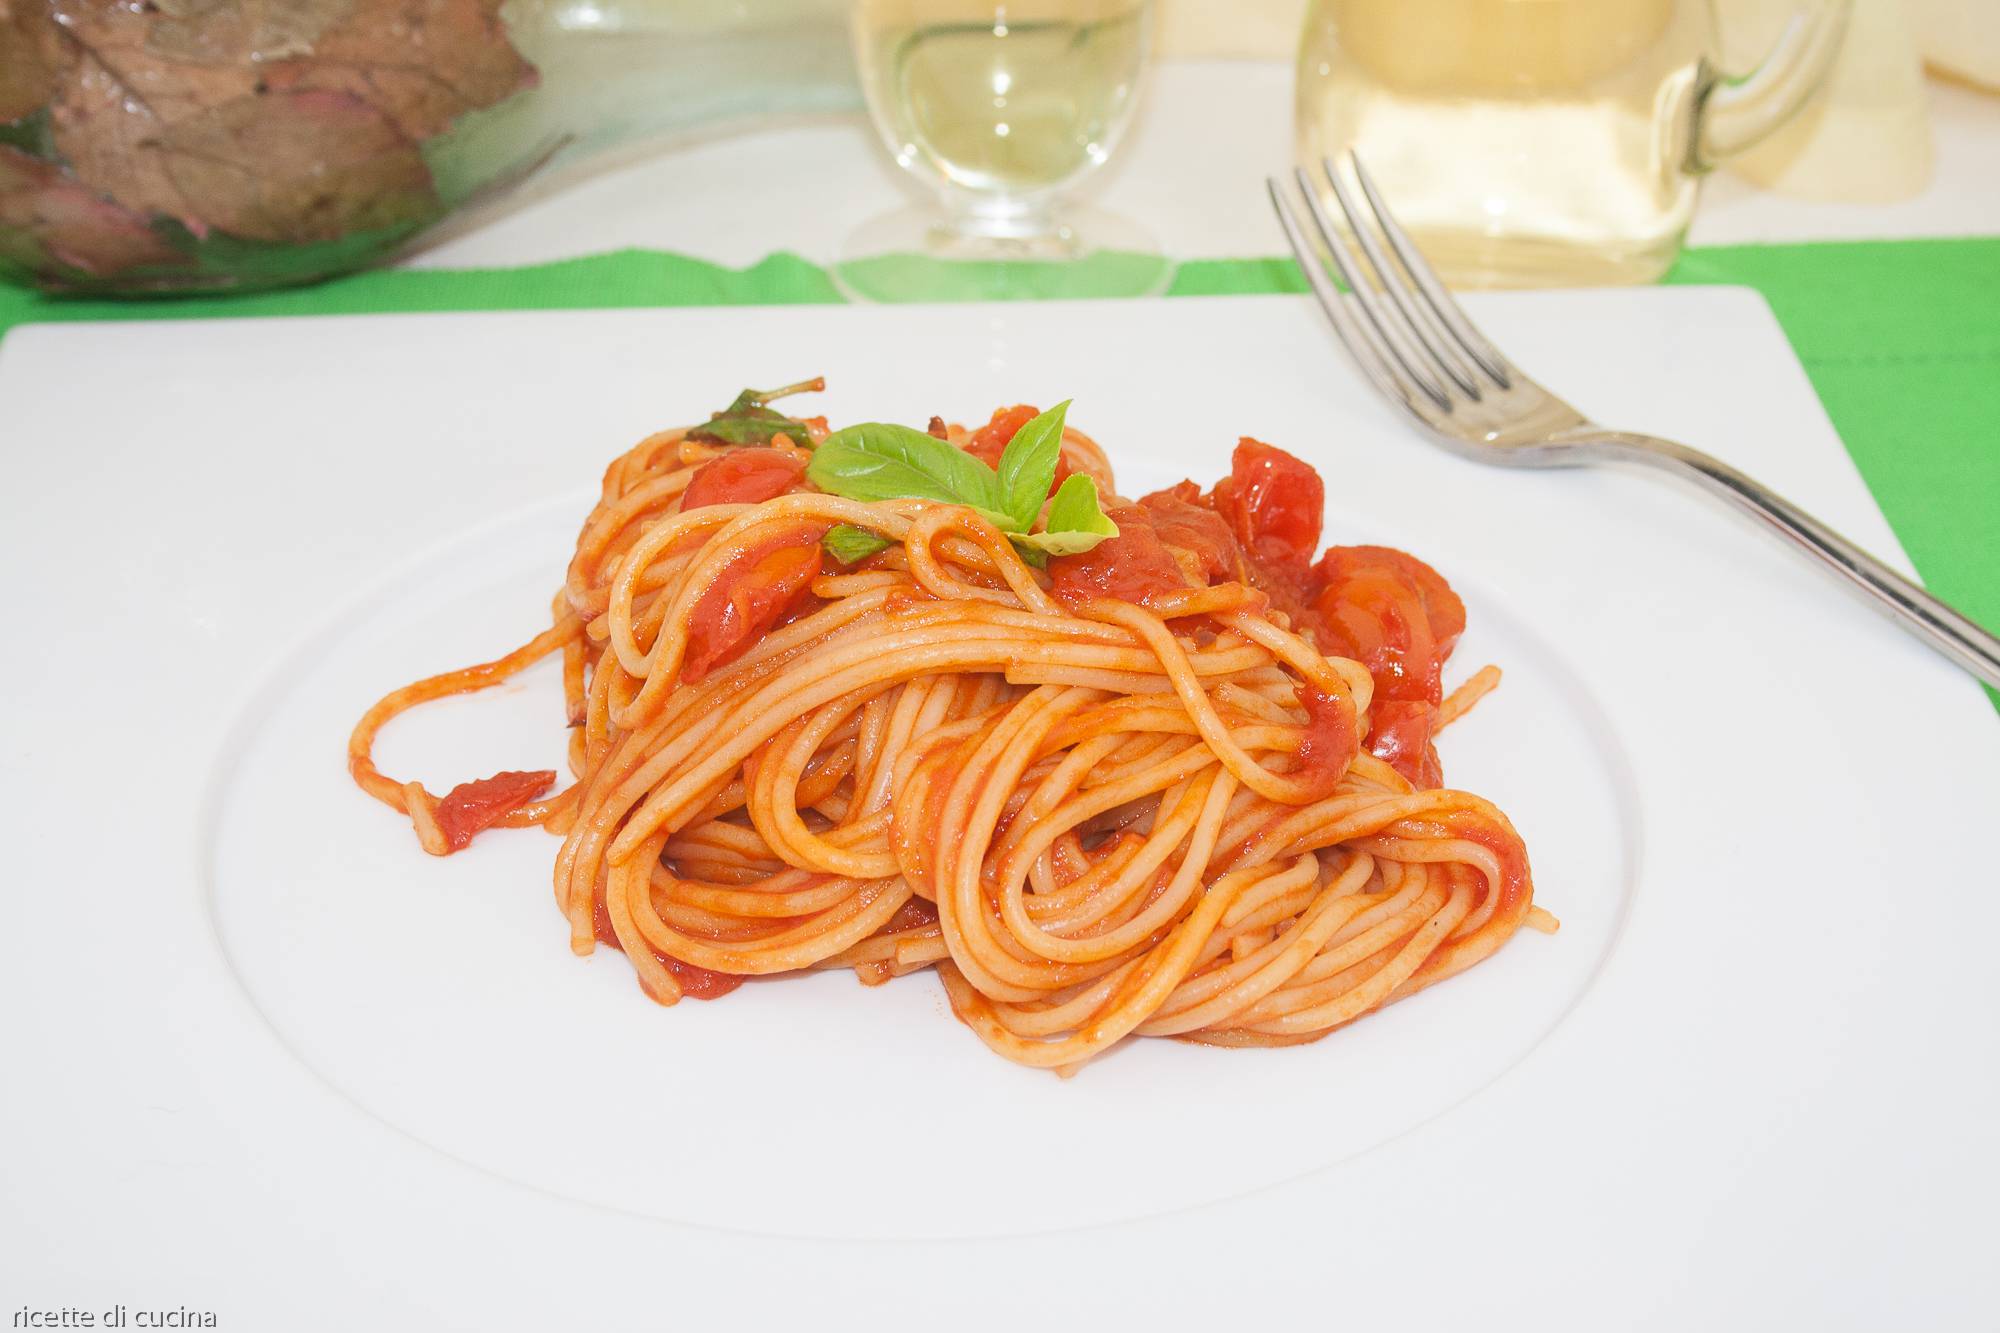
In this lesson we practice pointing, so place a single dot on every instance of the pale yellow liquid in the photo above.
(1000, 99)
(1521, 142)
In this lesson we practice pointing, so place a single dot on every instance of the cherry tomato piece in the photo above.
(472, 806)
(757, 590)
(743, 477)
(1274, 503)
(1134, 566)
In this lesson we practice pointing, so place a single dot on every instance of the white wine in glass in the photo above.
(1000, 108)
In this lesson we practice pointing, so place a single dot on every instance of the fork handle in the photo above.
(1951, 633)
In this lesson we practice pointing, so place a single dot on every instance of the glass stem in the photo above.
(987, 215)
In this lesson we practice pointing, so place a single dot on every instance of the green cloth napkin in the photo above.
(1900, 338)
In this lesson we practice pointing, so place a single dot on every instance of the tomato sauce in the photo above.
(916, 914)
(1507, 849)
(1327, 747)
(697, 983)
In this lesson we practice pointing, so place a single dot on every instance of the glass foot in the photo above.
(917, 254)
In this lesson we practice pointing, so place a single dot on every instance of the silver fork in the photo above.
(1416, 346)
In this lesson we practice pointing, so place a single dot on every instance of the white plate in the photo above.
(275, 1063)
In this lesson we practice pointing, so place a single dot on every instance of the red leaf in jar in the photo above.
(33, 57)
(121, 94)
(421, 63)
(47, 217)
(309, 166)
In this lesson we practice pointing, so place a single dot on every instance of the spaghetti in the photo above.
(1178, 781)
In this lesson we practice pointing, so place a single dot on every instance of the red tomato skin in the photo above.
(990, 439)
(1327, 747)
(1442, 607)
(1274, 503)
(1399, 735)
(1378, 620)
(1186, 524)
(743, 477)
(1398, 617)
(757, 590)
(472, 806)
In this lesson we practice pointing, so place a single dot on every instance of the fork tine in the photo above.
(1357, 282)
(1441, 302)
(1419, 323)
(1372, 359)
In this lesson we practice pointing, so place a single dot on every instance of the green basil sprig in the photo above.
(878, 461)
(749, 421)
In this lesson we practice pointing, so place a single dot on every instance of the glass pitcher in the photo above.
(1539, 143)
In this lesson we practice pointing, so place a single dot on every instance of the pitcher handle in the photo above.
(1735, 111)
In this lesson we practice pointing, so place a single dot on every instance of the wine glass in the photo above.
(1000, 108)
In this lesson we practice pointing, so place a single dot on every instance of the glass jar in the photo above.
(1532, 143)
(178, 145)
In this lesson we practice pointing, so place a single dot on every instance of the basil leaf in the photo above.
(880, 461)
(749, 421)
(849, 544)
(1038, 558)
(1077, 523)
(1076, 508)
(759, 425)
(1028, 465)
(1057, 543)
